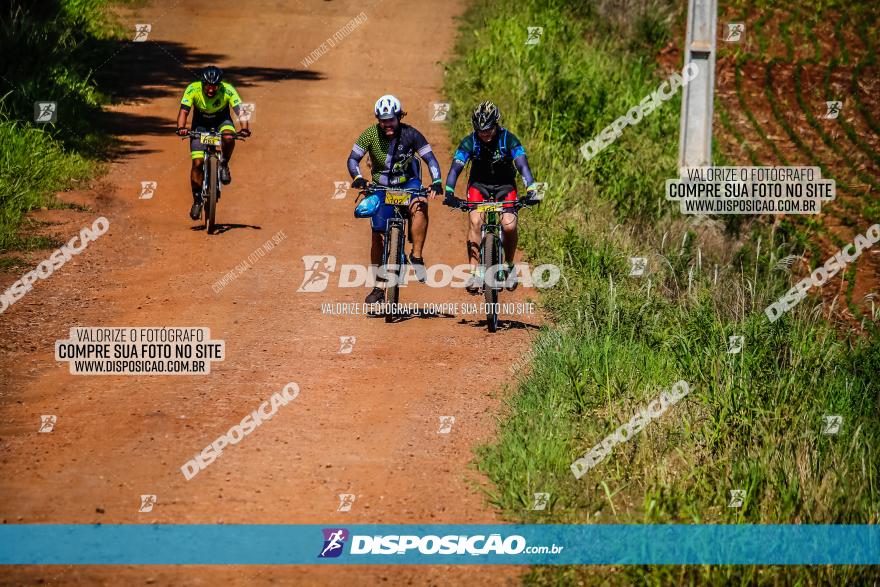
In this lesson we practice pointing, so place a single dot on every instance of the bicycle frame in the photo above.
(396, 230)
(399, 220)
(490, 232)
(491, 226)
(211, 150)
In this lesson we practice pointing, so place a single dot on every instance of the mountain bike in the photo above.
(493, 268)
(394, 255)
(211, 184)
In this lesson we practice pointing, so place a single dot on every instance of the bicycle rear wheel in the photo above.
(491, 283)
(211, 197)
(393, 270)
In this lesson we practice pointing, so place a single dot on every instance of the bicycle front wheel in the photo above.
(393, 271)
(211, 197)
(491, 260)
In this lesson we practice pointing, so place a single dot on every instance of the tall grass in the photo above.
(50, 50)
(753, 420)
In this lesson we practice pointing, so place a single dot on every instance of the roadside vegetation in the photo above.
(753, 420)
(50, 50)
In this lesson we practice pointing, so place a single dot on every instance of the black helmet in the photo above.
(212, 75)
(486, 115)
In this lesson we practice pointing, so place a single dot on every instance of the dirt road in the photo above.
(365, 423)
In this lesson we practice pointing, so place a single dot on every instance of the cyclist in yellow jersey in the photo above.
(211, 98)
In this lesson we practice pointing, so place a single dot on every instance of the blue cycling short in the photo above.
(379, 220)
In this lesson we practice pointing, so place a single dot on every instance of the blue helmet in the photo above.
(368, 206)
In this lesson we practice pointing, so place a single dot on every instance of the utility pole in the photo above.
(695, 141)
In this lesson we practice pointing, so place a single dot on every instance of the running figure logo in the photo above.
(141, 32)
(346, 344)
(339, 188)
(441, 109)
(45, 111)
(446, 423)
(346, 500)
(637, 266)
(541, 500)
(535, 33)
(47, 423)
(734, 345)
(334, 541)
(147, 503)
(735, 32)
(831, 425)
(247, 111)
(737, 497)
(148, 188)
(318, 269)
(832, 109)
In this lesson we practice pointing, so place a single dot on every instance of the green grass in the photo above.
(753, 420)
(33, 166)
(50, 52)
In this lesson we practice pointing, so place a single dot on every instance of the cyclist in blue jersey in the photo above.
(394, 149)
(495, 155)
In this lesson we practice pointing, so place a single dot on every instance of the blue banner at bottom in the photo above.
(252, 544)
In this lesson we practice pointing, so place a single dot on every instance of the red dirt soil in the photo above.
(364, 423)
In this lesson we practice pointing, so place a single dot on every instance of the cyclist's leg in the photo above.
(195, 178)
(227, 145)
(509, 223)
(377, 248)
(197, 154)
(475, 193)
(378, 223)
(418, 208)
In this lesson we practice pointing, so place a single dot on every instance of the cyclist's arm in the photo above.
(518, 152)
(358, 150)
(423, 149)
(245, 124)
(235, 102)
(186, 103)
(452, 177)
(459, 160)
(522, 165)
(433, 164)
(182, 116)
(354, 160)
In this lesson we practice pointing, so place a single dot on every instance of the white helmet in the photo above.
(387, 107)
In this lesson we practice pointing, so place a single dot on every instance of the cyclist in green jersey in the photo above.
(394, 150)
(211, 98)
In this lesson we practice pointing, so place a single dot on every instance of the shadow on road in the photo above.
(145, 71)
(221, 228)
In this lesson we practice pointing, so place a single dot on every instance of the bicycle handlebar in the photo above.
(465, 206)
(196, 134)
(375, 187)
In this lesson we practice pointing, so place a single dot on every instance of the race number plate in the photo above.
(209, 139)
(396, 198)
(489, 207)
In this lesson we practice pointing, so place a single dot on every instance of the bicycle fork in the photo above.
(401, 232)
